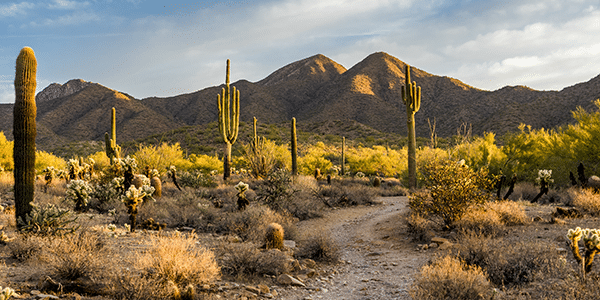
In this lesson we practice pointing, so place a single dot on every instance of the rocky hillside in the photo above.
(314, 90)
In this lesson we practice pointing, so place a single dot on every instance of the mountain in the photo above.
(315, 90)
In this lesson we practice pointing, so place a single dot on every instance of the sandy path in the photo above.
(380, 261)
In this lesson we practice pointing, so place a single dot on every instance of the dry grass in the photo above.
(24, 248)
(320, 247)
(80, 255)
(449, 278)
(482, 221)
(585, 199)
(492, 218)
(243, 259)
(178, 258)
(509, 263)
(420, 227)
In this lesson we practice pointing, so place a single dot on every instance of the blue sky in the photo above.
(163, 48)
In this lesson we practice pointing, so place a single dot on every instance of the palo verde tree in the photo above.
(411, 96)
(24, 131)
(229, 120)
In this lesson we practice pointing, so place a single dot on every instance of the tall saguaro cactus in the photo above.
(112, 149)
(24, 131)
(294, 148)
(229, 120)
(411, 95)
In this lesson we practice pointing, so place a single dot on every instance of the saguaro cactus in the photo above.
(411, 95)
(112, 149)
(24, 131)
(229, 119)
(343, 169)
(294, 148)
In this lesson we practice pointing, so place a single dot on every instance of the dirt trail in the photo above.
(379, 261)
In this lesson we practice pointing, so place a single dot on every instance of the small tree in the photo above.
(452, 188)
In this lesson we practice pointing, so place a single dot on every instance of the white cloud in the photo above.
(76, 18)
(13, 9)
(68, 5)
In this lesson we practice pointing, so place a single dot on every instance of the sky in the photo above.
(151, 48)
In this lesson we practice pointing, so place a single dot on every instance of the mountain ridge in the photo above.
(313, 90)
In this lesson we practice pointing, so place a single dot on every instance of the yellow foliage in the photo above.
(45, 159)
(161, 157)
(6, 153)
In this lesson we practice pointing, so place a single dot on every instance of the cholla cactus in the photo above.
(79, 192)
(172, 173)
(544, 175)
(591, 242)
(360, 174)
(49, 174)
(133, 198)
(6, 293)
(242, 202)
(75, 169)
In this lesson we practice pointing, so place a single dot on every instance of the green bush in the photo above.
(453, 188)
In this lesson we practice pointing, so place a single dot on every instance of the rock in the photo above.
(268, 296)
(274, 293)
(568, 212)
(295, 265)
(439, 240)
(561, 250)
(309, 263)
(433, 245)
(252, 289)
(285, 279)
(35, 292)
(446, 245)
(263, 289)
(594, 182)
(538, 219)
(558, 221)
(289, 244)
(46, 297)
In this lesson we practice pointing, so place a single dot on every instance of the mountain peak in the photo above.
(318, 67)
(57, 90)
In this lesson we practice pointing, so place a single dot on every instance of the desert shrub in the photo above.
(422, 229)
(161, 157)
(249, 224)
(45, 159)
(195, 179)
(48, 220)
(510, 263)
(320, 247)
(481, 220)
(239, 259)
(481, 152)
(25, 247)
(205, 163)
(491, 218)
(453, 188)
(341, 195)
(585, 199)
(6, 153)
(178, 258)
(510, 213)
(378, 160)
(130, 285)
(276, 189)
(260, 158)
(76, 256)
(450, 278)
(392, 187)
(313, 158)
(524, 191)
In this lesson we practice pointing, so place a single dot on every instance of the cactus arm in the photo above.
(294, 145)
(24, 131)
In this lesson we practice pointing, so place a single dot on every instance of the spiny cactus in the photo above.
(294, 148)
(591, 242)
(343, 169)
(6, 293)
(133, 198)
(411, 96)
(24, 131)
(229, 119)
(274, 236)
(112, 149)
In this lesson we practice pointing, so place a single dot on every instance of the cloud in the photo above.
(68, 5)
(76, 18)
(13, 9)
